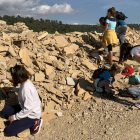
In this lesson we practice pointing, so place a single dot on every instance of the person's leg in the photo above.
(10, 110)
(121, 31)
(110, 54)
(105, 83)
(135, 91)
(19, 125)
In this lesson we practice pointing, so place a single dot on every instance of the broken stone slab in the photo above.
(24, 133)
(3, 48)
(87, 96)
(96, 55)
(71, 49)
(24, 56)
(58, 65)
(48, 117)
(49, 69)
(59, 114)
(46, 42)
(2, 59)
(39, 76)
(61, 41)
(88, 64)
(55, 99)
(11, 51)
(71, 81)
(49, 87)
(30, 71)
(12, 61)
(42, 36)
(2, 124)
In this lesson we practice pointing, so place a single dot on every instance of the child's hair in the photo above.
(112, 11)
(125, 52)
(19, 74)
(101, 19)
(116, 68)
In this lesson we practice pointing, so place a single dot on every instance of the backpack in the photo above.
(97, 73)
(120, 15)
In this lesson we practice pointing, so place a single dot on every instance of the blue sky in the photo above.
(70, 11)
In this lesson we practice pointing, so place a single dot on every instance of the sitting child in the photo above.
(106, 78)
(27, 114)
(134, 81)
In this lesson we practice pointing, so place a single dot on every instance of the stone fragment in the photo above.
(42, 36)
(87, 96)
(46, 42)
(88, 64)
(71, 49)
(39, 76)
(2, 59)
(59, 114)
(30, 71)
(2, 124)
(12, 61)
(61, 41)
(56, 100)
(70, 81)
(48, 117)
(24, 133)
(3, 48)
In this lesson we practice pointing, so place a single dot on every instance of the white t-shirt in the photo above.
(29, 101)
(134, 51)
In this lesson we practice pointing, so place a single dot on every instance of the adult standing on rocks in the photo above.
(110, 37)
(127, 51)
(121, 28)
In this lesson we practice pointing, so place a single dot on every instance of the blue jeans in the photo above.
(16, 126)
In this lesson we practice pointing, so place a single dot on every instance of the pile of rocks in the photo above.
(60, 66)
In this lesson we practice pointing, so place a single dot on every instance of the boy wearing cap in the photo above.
(134, 81)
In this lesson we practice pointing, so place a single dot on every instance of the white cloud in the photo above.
(55, 9)
(32, 8)
(75, 23)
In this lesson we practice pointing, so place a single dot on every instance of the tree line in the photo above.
(53, 25)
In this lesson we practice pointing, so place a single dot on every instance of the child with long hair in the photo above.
(110, 37)
(127, 51)
(27, 113)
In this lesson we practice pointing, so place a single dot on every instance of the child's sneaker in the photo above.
(36, 128)
(137, 105)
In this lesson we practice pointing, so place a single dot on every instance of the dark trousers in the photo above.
(16, 126)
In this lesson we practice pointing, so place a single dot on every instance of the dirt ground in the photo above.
(97, 118)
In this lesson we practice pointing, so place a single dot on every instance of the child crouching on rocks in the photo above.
(134, 81)
(27, 114)
(105, 79)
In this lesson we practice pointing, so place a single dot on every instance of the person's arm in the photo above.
(28, 105)
(138, 85)
(113, 87)
(137, 56)
(104, 28)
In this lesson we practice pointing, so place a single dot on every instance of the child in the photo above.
(134, 82)
(109, 36)
(106, 78)
(127, 51)
(27, 114)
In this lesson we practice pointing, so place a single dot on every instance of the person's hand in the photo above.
(131, 85)
(11, 119)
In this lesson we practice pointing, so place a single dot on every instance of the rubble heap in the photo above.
(60, 66)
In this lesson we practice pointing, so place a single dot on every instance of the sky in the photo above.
(70, 11)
